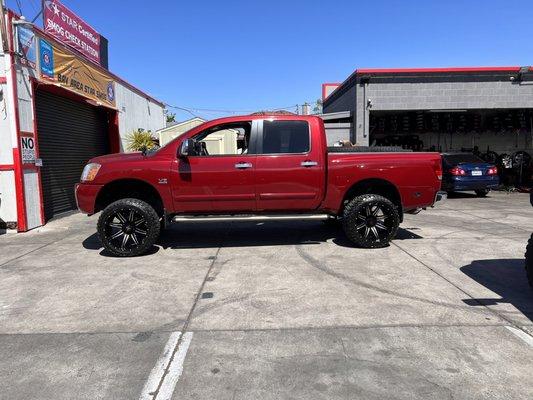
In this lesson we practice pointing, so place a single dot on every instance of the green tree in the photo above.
(317, 108)
(171, 117)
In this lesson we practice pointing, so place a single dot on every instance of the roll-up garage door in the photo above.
(69, 134)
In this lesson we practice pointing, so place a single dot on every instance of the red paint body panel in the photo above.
(212, 184)
(282, 183)
(148, 169)
(411, 173)
(85, 196)
(273, 183)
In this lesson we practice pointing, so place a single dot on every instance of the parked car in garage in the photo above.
(282, 166)
(468, 172)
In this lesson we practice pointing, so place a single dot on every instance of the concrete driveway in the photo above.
(274, 310)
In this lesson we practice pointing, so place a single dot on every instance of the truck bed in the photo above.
(368, 149)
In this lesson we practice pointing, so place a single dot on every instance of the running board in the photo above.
(280, 217)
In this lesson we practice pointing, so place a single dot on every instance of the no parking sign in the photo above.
(27, 145)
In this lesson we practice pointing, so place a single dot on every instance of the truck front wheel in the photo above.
(529, 261)
(128, 227)
(370, 221)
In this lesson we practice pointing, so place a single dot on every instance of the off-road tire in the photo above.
(482, 192)
(141, 222)
(357, 224)
(529, 261)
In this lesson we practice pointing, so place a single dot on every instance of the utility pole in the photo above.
(3, 28)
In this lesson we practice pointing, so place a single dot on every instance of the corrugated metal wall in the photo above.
(136, 111)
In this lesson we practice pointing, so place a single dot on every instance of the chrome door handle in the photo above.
(309, 164)
(243, 165)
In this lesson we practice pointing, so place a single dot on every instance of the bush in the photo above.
(139, 140)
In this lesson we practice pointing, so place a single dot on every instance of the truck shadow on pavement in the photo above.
(507, 279)
(246, 234)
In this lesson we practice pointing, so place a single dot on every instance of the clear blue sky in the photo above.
(249, 55)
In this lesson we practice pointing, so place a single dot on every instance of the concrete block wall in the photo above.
(449, 95)
(424, 95)
(345, 102)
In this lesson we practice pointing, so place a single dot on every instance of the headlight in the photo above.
(89, 172)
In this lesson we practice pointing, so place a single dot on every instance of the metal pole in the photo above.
(3, 28)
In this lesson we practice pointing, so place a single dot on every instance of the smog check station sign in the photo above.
(68, 28)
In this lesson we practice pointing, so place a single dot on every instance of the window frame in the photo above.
(258, 145)
(251, 144)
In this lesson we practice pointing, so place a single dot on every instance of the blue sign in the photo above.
(110, 92)
(26, 44)
(46, 58)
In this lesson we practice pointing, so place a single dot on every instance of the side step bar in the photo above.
(254, 217)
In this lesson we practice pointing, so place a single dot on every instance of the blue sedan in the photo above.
(465, 172)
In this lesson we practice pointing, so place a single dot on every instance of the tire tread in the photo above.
(350, 211)
(153, 224)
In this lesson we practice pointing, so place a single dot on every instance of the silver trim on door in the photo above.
(309, 163)
(243, 165)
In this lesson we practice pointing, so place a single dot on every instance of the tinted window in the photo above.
(285, 137)
(453, 159)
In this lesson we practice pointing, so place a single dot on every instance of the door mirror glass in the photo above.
(187, 148)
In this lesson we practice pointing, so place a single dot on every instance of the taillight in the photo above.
(492, 171)
(457, 171)
(437, 167)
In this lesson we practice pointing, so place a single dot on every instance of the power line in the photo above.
(192, 110)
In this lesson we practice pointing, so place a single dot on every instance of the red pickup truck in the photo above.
(265, 165)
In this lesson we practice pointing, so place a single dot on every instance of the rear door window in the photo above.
(285, 137)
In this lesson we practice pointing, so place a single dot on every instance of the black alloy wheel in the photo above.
(370, 221)
(128, 227)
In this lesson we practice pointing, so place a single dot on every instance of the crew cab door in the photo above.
(290, 165)
(220, 177)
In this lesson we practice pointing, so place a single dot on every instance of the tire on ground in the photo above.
(529, 261)
(356, 206)
(153, 226)
(482, 192)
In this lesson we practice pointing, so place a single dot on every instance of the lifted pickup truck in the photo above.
(265, 165)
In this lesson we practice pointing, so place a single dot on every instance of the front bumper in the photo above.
(86, 197)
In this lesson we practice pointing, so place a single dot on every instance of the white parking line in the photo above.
(521, 334)
(174, 365)
(175, 370)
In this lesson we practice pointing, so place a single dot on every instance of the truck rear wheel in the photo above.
(529, 261)
(370, 221)
(128, 227)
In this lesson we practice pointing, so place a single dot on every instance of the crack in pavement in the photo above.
(310, 260)
(184, 329)
(493, 312)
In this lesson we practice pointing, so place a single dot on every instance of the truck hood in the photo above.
(118, 157)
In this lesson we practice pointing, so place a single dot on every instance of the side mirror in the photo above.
(187, 148)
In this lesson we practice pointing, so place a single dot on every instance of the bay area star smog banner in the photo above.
(79, 76)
